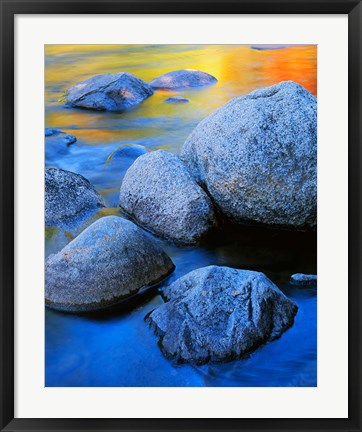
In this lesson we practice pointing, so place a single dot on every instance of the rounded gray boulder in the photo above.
(219, 314)
(108, 262)
(183, 78)
(257, 156)
(68, 196)
(109, 92)
(159, 192)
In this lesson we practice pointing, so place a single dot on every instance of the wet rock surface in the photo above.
(219, 314)
(181, 79)
(303, 279)
(108, 262)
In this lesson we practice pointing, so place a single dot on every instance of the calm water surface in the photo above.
(118, 349)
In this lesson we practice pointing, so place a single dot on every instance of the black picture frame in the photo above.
(8, 10)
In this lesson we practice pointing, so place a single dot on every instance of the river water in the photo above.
(118, 349)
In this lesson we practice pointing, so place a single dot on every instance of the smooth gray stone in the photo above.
(219, 314)
(107, 263)
(159, 192)
(109, 92)
(303, 279)
(257, 156)
(68, 196)
(180, 79)
(60, 136)
(177, 100)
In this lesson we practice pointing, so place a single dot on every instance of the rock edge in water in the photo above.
(68, 196)
(303, 279)
(108, 92)
(219, 314)
(180, 79)
(159, 192)
(110, 261)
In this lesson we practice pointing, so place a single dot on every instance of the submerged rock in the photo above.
(177, 100)
(59, 136)
(184, 78)
(108, 262)
(161, 194)
(68, 196)
(109, 92)
(127, 150)
(303, 279)
(257, 156)
(219, 314)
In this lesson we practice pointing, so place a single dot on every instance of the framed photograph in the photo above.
(180, 208)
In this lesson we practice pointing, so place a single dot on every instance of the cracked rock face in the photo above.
(257, 156)
(109, 92)
(68, 196)
(108, 262)
(183, 78)
(159, 192)
(219, 314)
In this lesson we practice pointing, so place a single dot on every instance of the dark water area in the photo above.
(116, 348)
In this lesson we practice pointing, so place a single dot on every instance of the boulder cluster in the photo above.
(252, 161)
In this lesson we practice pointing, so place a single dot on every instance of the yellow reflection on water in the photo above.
(238, 68)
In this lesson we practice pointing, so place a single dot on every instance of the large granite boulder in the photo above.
(108, 262)
(219, 314)
(181, 79)
(68, 196)
(109, 92)
(159, 192)
(257, 156)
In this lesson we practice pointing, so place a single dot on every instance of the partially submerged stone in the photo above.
(68, 196)
(109, 92)
(127, 151)
(159, 192)
(303, 279)
(107, 263)
(257, 156)
(59, 136)
(219, 314)
(185, 78)
(177, 100)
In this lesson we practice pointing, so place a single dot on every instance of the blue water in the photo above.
(117, 348)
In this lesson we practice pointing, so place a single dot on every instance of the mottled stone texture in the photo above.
(109, 92)
(180, 79)
(257, 156)
(68, 196)
(159, 192)
(108, 262)
(219, 314)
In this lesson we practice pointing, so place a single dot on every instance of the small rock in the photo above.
(177, 100)
(257, 157)
(68, 196)
(127, 150)
(269, 47)
(303, 279)
(184, 78)
(109, 92)
(108, 262)
(62, 137)
(219, 314)
(159, 192)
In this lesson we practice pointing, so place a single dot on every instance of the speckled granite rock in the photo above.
(257, 156)
(219, 314)
(303, 279)
(184, 78)
(159, 193)
(108, 262)
(109, 92)
(177, 100)
(68, 196)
